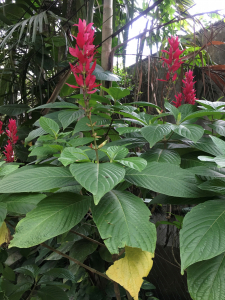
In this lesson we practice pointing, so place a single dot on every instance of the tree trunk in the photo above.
(107, 30)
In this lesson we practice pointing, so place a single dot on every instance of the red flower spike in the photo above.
(84, 51)
(188, 89)
(173, 62)
(1, 131)
(179, 99)
(9, 153)
(12, 131)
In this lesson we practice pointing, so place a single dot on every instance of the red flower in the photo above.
(188, 90)
(1, 131)
(9, 153)
(84, 51)
(179, 99)
(173, 62)
(12, 131)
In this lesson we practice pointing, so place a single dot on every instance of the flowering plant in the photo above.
(12, 140)
(84, 51)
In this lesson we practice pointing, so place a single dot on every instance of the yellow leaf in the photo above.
(130, 270)
(5, 235)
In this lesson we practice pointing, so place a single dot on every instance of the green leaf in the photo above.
(8, 168)
(101, 74)
(205, 144)
(49, 125)
(186, 109)
(54, 215)
(167, 179)
(205, 279)
(67, 117)
(219, 143)
(171, 108)
(80, 141)
(60, 273)
(219, 126)
(81, 249)
(164, 199)
(30, 270)
(70, 155)
(202, 236)
(117, 152)
(35, 180)
(98, 179)
(3, 212)
(136, 163)
(155, 133)
(203, 113)
(115, 216)
(117, 92)
(82, 123)
(13, 109)
(34, 134)
(210, 104)
(43, 151)
(123, 130)
(191, 132)
(21, 203)
(214, 185)
(142, 103)
(52, 293)
(100, 99)
(56, 105)
(162, 156)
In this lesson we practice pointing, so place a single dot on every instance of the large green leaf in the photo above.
(81, 249)
(219, 143)
(168, 179)
(67, 117)
(123, 130)
(98, 178)
(56, 105)
(49, 125)
(205, 144)
(60, 273)
(171, 108)
(70, 155)
(54, 215)
(82, 123)
(163, 199)
(162, 156)
(209, 104)
(206, 279)
(7, 168)
(219, 126)
(3, 212)
(13, 109)
(203, 113)
(191, 132)
(214, 185)
(142, 103)
(21, 203)
(35, 180)
(115, 216)
(51, 293)
(34, 134)
(117, 92)
(155, 132)
(78, 141)
(135, 163)
(101, 74)
(202, 235)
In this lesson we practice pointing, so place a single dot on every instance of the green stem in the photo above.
(95, 142)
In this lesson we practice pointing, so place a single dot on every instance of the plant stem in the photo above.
(129, 296)
(94, 136)
(31, 293)
(117, 290)
(76, 261)
(87, 238)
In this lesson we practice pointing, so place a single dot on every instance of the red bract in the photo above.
(188, 90)
(9, 153)
(84, 51)
(179, 99)
(1, 131)
(173, 62)
(12, 131)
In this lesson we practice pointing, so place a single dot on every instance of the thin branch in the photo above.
(87, 238)
(76, 261)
